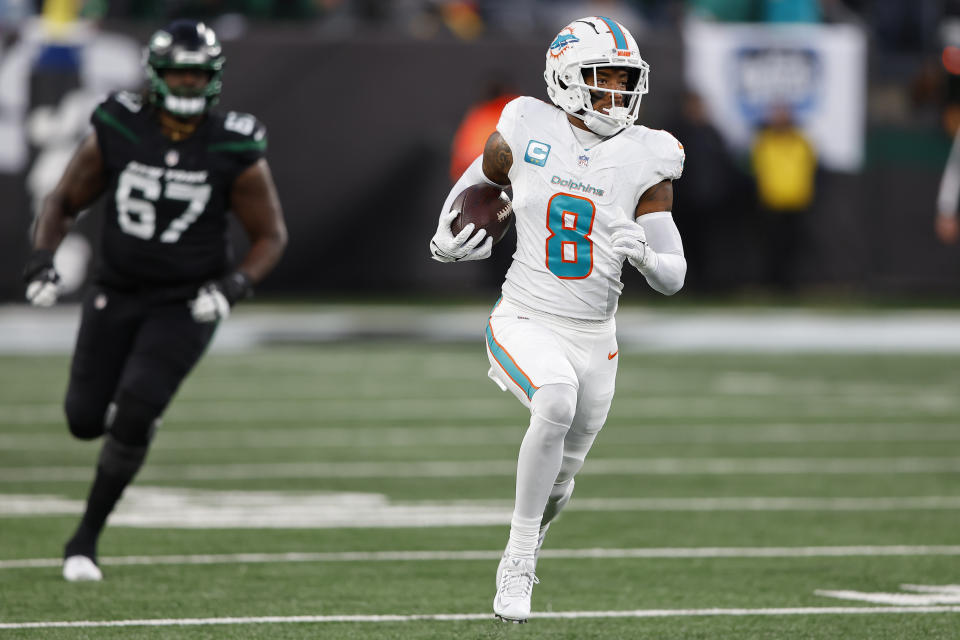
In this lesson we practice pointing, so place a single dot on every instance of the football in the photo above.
(487, 207)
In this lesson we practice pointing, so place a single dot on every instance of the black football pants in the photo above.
(137, 345)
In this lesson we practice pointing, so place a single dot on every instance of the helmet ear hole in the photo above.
(559, 81)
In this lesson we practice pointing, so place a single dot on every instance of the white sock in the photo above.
(524, 533)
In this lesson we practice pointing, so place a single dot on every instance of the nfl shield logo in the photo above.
(583, 160)
(172, 158)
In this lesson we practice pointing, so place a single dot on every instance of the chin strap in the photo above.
(602, 125)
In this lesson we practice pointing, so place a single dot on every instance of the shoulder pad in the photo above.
(518, 110)
(663, 144)
(118, 115)
(667, 149)
(525, 106)
(236, 131)
(122, 104)
(244, 125)
(133, 102)
(511, 110)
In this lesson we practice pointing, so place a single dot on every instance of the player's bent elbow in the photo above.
(669, 291)
(670, 274)
(275, 241)
(281, 238)
(667, 288)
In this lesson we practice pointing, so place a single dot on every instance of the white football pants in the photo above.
(575, 364)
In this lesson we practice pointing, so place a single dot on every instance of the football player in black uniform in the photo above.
(171, 169)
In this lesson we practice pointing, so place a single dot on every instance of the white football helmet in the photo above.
(579, 49)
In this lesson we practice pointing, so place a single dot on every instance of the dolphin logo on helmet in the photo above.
(561, 41)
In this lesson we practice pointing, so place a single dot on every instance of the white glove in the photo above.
(445, 247)
(44, 292)
(210, 305)
(43, 281)
(629, 241)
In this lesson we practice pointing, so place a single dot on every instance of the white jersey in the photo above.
(564, 198)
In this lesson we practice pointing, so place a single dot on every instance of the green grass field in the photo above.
(364, 491)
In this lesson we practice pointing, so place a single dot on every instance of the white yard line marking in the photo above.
(490, 468)
(568, 554)
(923, 595)
(451, 617)
(867, 407)
(932, 588)
(294, 438)
(177, 507)
(904, 503)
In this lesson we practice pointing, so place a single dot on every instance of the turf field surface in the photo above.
(364, 491)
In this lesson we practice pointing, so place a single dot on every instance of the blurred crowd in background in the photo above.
(775, 188)
(894, 25)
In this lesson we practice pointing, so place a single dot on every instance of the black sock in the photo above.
(104, 494)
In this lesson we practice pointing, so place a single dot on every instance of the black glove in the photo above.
(215, 298)
(41, 278)
(235, 287)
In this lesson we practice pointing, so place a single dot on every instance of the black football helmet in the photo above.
(184, 44)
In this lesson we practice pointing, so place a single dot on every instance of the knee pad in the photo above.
(131, 421)
(131, 425)
(569, 468)
(85, 420)
(552, 411)
(555, 403)
(84, 424)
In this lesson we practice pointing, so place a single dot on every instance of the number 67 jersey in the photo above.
(167, 201)
(564, 198)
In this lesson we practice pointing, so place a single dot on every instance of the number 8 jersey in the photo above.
(167, 201)
(564, 198)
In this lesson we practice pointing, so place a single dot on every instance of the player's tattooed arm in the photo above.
(497, 159)
(659, 197)
(82, 182)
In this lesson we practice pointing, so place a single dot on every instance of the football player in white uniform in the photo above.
(590, 190)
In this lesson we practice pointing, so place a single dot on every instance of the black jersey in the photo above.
(167, 202)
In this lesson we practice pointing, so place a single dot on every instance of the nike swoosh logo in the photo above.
(611, 356)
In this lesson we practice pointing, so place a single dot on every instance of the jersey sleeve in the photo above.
(514, 124)
(667, 154)
(508, 123)
(658, 157)
(511, 125)
(114, 122)
(241, 139)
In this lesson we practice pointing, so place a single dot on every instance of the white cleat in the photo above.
(81, 569)
(515, 580)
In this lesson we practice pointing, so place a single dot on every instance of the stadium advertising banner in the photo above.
(819, 71)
